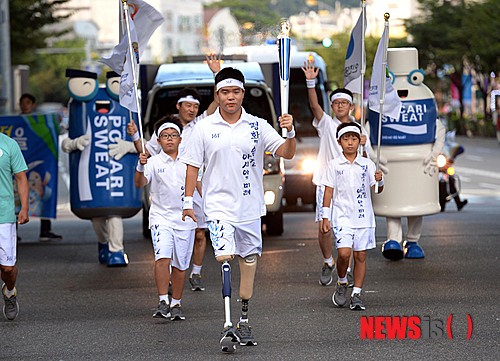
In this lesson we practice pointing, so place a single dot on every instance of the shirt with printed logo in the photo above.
(233, 157)
(351, 183)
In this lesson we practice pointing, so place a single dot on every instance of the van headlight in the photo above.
(271, 164)
(269, 197)
(308, 165)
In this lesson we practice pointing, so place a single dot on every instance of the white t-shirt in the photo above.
(154, 148)
(167, 177)
(232, 155)
(329, 148)
(351, 182)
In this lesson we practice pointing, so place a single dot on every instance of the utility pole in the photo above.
(5, 66)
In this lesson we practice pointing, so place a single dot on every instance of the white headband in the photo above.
(167, 125)
(341, 96)
(348, 129)
(229, 82)
(188, 98)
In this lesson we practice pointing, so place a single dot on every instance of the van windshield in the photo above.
(256, 102)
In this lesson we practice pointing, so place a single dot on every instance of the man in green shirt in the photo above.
(12, 163)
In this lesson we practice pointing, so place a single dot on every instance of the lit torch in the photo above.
(284, 44)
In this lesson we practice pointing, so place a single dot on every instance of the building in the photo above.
(221, 30)
(327, 22)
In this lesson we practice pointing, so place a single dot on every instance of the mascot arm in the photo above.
(69, 145)
(430, 165)
(120, 148)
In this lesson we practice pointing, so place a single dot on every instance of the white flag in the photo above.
(144, 20)
(392, 103)
(355, 58)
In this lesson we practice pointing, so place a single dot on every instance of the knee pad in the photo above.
(248, 266)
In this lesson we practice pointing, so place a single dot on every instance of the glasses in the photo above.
(170, 136)
(343, 103)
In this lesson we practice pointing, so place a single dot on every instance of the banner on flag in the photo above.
(392, 103)
(143, 20)
(355, 59)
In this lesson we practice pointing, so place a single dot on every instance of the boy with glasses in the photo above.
(172, 238)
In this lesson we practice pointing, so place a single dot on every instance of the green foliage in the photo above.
(334, 56)
(439, 33)
(27, 21)
(49, 83)
(483, 24)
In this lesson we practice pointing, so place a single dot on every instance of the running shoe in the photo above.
(176, 313)
(356, 303)
(339, 298)
(326, 277)
(163, 310)
(196, 284)
(11, 307)
(244, 333)
(229, 339)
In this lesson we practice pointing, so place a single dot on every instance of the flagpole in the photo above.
(363, 63)
(134, 75)
(382, 92)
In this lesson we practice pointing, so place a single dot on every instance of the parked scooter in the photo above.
(449, 181)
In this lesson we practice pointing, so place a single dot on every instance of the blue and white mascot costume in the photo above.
(101, 170)
(409, 148)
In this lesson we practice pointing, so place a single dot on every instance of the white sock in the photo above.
(243, 319)
(175, 302)
(9, 293)
(196, 269)
(329, 261)
(164, 298)
(356, 290)
(343, 279)
(348, 269)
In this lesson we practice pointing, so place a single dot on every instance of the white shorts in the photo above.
(8, 244)
(174, 244)
(359, 239)
(240, 239)
(320, 192)
(198, 210)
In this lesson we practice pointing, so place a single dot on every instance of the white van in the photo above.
(161, 100)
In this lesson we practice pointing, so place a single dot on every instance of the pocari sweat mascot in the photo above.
(101, 172)
(409, 146)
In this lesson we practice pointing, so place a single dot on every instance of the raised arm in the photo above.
(213, 63)
(311, 74)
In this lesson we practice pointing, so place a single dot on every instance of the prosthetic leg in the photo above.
(229, 339)
(248, 266)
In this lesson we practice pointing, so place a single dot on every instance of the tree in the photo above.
(453, 35)
(28, 19)
(50, 83)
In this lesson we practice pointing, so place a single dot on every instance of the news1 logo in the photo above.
(408, 327)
